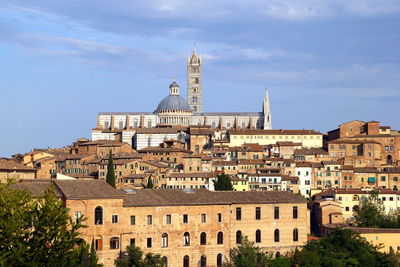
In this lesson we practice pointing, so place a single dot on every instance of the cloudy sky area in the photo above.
(325, 62)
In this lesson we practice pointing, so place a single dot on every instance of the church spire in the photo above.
(267, 112)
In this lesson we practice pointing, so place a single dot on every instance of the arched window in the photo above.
(219, 260)
(121, 124)
(186, 261)
(356, 208)
(203, 261)
(98, 216)
(276, 235)
(243, 125)
(238, 237)
(114, 243)
(165, 261)
(186, 239)
(106, 125)
(277, 254)
(164, 240)
(213, 124)
(220, 238)
(135, 123)
(295, 234)
(258, 236)
(203, 238)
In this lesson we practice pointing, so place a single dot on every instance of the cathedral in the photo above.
(174, 110)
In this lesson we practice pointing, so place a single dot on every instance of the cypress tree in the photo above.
(110, 178)
(223, 183)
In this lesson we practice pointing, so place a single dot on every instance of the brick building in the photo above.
(187, 227)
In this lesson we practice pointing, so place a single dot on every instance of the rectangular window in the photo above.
(295, 212)
(115, 219)
(203, 218)
(276, 213)
(168, 219)
(149, 219)
(132, 242)
(185, 218)
(133, 219)
(219, 217)
(99, 244)
(238, 214)
(149, 242)
(258, 213)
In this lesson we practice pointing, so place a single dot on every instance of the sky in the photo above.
(324, 62)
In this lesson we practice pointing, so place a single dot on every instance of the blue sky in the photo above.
(324, 61)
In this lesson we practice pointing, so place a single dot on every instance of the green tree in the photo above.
(223, 183)
(342, 248)
(133, 257)
(149, 185)
(247, 254)
(110, 178)
(372, 214)
(39, 232)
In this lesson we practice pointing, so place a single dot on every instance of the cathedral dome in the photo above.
(173, 102)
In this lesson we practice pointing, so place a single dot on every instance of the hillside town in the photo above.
(293, 183)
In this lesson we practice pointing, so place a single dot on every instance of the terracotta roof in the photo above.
(289, 178)
(253, 147)
(35, 187)
(172, 197)
(288, 143)
(192, 175)
(359, 191)
(303, 164)
(251, 161)
(156, 163)
(366, 170)
(352, 141)
(224, 163)
(163, 149)
(14, 166)
(196, 131)
(87, 189)
(310, 151)
(273, 132)
(373, 135)
(101, 143)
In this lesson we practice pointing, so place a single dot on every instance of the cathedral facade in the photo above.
(174, 110)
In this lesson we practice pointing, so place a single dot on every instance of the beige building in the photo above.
(307, 138)
(12, 170)
(187, 227)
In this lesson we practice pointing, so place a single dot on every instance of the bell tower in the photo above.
(194, 82)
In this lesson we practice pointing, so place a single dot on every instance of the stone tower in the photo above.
(267, 112)
(194, 83)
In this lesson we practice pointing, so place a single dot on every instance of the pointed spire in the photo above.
(194, 58)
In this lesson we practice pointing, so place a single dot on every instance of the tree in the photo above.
(223, 183)
(372, 214)
(39, 232)
(342, 248)
(149, 184)
(133, 257)
(110, 178)
(247, 254)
